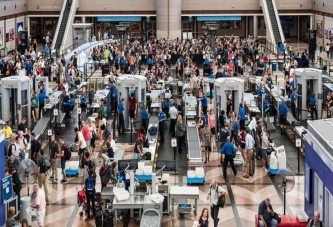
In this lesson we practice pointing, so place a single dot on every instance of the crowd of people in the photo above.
(228, 57)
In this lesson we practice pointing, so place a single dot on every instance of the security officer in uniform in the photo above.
(293, 102)
(144, 118)
(223, 134)
(313, 106)
(121, 117)
(161, 118)
(283, 110)
(228, 151)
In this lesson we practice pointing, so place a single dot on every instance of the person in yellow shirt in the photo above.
(8, 135)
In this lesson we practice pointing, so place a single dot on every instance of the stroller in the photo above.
(82, 200)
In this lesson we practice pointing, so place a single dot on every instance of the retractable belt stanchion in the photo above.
(174, 147)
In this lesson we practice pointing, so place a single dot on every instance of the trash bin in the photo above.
(274, 64)
(280, 65)
(3, 52)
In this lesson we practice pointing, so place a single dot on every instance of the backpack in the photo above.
(90, 184)
(107, 133)
(46, 165)
(68, 154)
(10, 149)
(103, 170)
(221, 199)
(312, 222)
(152, 131)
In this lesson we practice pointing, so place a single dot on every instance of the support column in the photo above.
(255, 26)
(83, 19)
(168, 18)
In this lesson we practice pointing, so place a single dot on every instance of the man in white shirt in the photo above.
(249, 146)
(253, 123)
(39, 204)
(24, 145)
(215, 191)
(16, 147)
(112, 142)
(173, 113)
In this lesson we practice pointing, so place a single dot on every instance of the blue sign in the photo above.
(7, 189)
(118, 19)
(219, 18)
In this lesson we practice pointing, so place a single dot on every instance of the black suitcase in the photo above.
(108, 219)
(99, 219)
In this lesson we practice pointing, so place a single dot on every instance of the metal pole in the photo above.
(284, 197)
(131, 131)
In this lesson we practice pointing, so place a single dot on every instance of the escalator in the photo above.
(62, 28)
(272, 21)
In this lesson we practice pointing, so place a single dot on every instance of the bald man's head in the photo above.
(316, 216)
(213, 183)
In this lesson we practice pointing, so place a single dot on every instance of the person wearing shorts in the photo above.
(63, 159)
(207, 136)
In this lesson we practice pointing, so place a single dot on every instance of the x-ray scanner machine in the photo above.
(132, 84)
(308, 78)
(15, 91)
(228, 88)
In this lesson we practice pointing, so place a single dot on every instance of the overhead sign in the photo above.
(7, 189)
(219, 18)
(118, 19)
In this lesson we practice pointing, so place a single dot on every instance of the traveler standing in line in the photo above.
(215, 191)
(207, 136)
(180, 129)
(212, 125)
(55, 150)
(161, 124)
(144, 118)
(228, 152)
(241, 114)
(249, 145)
(138, 148)
(173, 113)
(42, 174)
(89, 186)
(313, 106)
(86, 135)
(63, 159)
(81, 143)
(121, 117)
(283, 110)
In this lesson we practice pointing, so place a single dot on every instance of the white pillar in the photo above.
(311, 21)
(255, 26)
(168, 18)
(83, 20)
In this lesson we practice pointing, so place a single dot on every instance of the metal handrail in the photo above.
(55, 37)
(72, 47)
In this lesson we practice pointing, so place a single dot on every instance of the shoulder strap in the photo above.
(311, 222)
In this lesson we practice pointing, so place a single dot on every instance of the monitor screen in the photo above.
(134, 163)
(122, 164)
(160, 164)
(170, 166)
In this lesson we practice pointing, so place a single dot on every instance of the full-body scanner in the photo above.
(307, 82)
(42, 80)
(132, 85)
(228, 88)
(15, 91)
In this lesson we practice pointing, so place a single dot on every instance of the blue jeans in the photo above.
(273, 223)
(136, 156)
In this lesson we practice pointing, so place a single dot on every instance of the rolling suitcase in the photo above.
(108, 219)
(99, 219)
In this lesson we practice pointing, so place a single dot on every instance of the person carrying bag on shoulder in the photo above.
(216, 197)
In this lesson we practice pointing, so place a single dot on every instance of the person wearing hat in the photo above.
(283, 110)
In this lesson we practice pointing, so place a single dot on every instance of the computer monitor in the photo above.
(133, 163)
(122, 164)
(170, 166)
(160, 164)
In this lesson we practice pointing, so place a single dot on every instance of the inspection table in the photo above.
(184, 193)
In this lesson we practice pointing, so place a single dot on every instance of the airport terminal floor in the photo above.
(244, 195)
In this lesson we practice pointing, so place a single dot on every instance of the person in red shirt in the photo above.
(86, 134)
(132, 107)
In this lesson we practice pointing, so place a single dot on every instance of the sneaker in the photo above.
(64, 181)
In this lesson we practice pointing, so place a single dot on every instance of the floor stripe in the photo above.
(233, 203)
(181, 216)
(278, 190)
(73, 216)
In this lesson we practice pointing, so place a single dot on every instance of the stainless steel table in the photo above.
(107, 193)
(184, 193)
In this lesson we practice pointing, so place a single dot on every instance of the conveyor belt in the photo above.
(193, 143)
(41, 127)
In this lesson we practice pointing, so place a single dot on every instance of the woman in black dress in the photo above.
(203, 219)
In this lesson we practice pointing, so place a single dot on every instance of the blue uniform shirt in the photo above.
(41, 98)
(112, 88)
(211, 78)
(161, 116)
(123, 62)
(116, 59)
(144, 114)
(181, 60)
(71, 102)
(283, 109)
(121, 107)
(266, 105)
(313, 101)
(167, 105)
(293, 97)
(207, 63)
(225, 73)
(204, 101)
(236, 127)
(82, 98)
(260, 91)
(149, 62)
(228, 149)
(241, 113)
(115, 95)
(292, 84)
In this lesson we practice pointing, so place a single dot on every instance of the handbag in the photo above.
(277, 217)
(93, 135)
(221, 202)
